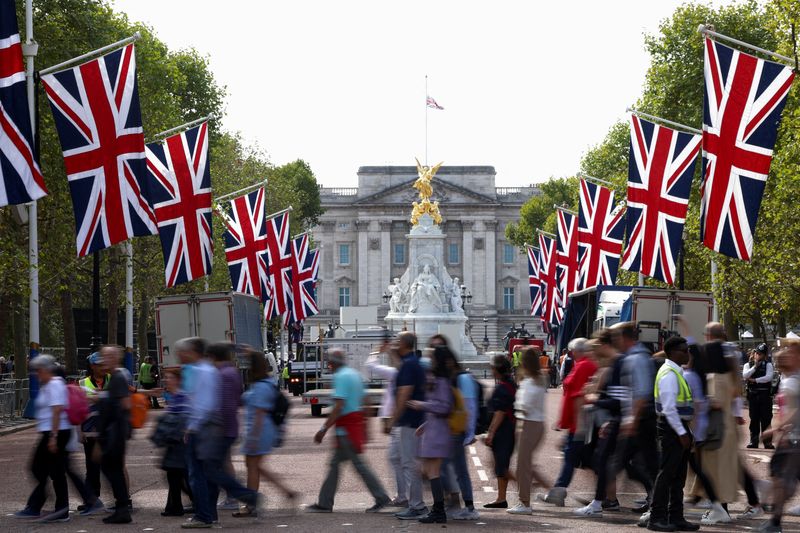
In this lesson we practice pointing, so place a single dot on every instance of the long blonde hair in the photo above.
(529, 360)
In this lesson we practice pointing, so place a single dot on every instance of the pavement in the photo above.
(303, 464)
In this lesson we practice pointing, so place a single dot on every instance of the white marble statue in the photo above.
(397, 296)
(425, 292)
(456, 303)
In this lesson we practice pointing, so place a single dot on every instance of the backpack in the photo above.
(139, 406)
(281, 409)
(457, 419)
(482, 419)
(77, 405)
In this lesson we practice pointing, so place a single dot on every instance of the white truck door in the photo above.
(215, 317)
(174, 321)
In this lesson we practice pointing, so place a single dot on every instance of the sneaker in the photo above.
(588, 510)
(555, 496)
(716, 515)
(700, 504)
(751, 512)
(378, 506)
(769, 527)
(96, 507)
(27, 514)
(644, 520)
(193, 523)
(316, 508)
(394, 502)
(520, 508)
(228, 504)
(467, 514)
(611, 505)
(412, 514)
(59, 515)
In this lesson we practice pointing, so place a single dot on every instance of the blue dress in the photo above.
(260, 395)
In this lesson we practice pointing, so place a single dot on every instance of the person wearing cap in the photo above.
(757, 373)
(93, 384)
(348, 418)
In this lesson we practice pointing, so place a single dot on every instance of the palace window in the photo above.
(508, 254)
(344, 296)
(508, 298)
(344, 254)
(399, 254)
(453, 254)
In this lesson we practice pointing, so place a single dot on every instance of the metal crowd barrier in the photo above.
(13, 398)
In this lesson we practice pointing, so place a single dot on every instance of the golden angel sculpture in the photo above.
(423, 185)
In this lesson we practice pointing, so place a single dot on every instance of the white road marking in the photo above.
(488, 489)
(482, 475)
(472, 450)
(476, 461)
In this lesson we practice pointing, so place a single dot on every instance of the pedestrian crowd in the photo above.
(668, 420)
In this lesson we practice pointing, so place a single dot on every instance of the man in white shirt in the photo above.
(757, 374)
(674, 408)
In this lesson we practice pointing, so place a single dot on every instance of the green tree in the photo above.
(538, 212)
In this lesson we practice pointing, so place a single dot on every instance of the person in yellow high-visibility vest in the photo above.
(285, 375)
(516, 358)
(673, 399)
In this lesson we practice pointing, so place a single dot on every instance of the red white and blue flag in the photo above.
(660, 170)
(246, 245)
(430, 102)
(743, 100)
(533, 281)
(21, 179)
(600, 233)
(180, 193)
(279, 263)
(305, 268)
(548, 280)
(96, 110)
(567, 255)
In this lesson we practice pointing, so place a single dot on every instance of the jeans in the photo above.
(667, 504)
(454, 471)
(572, 450)
(219, 478)
(345, 452)
(46, 465)
(205, 510)
(397, 464)
(408, 459)
(92, 480)
(112, 464)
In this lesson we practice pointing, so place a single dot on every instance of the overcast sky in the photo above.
(527, 87)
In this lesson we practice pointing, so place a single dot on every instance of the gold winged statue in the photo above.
(423, 185)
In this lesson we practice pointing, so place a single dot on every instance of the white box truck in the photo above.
(215, 316)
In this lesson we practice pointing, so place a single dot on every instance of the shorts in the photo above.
(785, 462)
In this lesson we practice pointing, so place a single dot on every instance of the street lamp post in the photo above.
(485, 335)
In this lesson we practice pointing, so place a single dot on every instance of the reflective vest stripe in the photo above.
(683, 402)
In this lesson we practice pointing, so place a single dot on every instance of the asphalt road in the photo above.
(303, 464)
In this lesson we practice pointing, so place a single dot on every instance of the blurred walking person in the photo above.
(147, 379)
(529, 406)
(92, 385)
(260, 433)
(500, 437)
(348, 418)
(50, 455)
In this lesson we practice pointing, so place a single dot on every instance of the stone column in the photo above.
(466, 254)
(327, 299)
(386, 254)
(490, 227)
(360, 263)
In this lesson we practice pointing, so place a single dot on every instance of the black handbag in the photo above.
(169, 430)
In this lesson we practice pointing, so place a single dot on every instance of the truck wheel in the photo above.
(316, 410)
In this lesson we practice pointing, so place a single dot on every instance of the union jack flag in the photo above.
(246, 245)
(600, 232)
(305, 267)
(430, 102)
(279, 254)
(21, 180)
(533, 281)
(180, 191)
(567, 256)
(548, 280)
(660, 170)
(743, 100)
(96, 110)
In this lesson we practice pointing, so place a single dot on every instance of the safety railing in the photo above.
(14, 394)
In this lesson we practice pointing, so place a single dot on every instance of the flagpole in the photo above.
(129, 295)
(569, 211)
(592, 178)
(665, 121)
(245, 189)
(30, 48)
(426, 120)
(179, 128)
(87, 55)
(706, 31)
(545, 233)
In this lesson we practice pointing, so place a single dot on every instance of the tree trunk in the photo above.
(758, 326)
(731, 328)
(68, 321)
(782, 325)
(5, 326)
(113, 294)
(20, 334)
(141, 330)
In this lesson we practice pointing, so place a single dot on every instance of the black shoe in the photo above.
(496, 505)
(172, 513)
(81, 507)
(769, 446)
(684, 525)
(434, 517)
(122, 517)
(751, 445)
(641, 509)
(660, 526)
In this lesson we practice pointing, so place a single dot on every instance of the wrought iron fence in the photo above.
(14, 395)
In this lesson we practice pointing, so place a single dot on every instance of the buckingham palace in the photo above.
(362, 238)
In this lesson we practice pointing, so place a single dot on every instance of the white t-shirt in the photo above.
(52, 394)
(529, 401)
